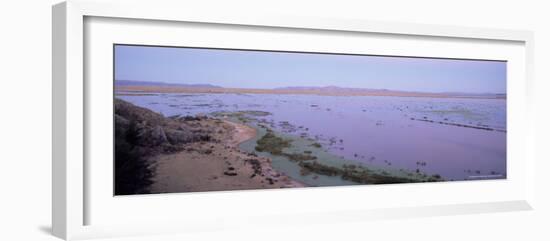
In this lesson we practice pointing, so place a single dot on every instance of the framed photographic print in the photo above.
(280, 118)
(210, 119)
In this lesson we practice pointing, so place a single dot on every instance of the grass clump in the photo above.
(272, 143)
(297, 157)
(322, 169)
(275, 145)
(359, 174)
(317, 145)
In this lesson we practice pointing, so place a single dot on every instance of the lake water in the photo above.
(457, 138)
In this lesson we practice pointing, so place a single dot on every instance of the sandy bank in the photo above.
(216, 165)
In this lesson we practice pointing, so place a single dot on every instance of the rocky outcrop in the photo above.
(150, 129)
(140, 134)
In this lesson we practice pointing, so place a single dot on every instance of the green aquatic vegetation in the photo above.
(272, 143)
(366, 176)
(465, 113)
(299, 157)
(435, 178)
(255, 112)
(241, 116)
(252, 113)
(317, 145)
(243, 119)
(275, 145)
(361, 174)
(322, 169)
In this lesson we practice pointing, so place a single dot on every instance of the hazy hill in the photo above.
(337, 89)
(330, 88)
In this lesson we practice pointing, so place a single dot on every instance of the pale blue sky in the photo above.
(261, 69)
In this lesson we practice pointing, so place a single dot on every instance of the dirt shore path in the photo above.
(241, 133)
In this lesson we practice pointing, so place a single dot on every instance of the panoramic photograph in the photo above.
(205, 119)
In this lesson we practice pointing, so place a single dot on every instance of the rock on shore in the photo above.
(140, 134)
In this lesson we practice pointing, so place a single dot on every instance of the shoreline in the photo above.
(246, 133)
(318, 167)
(237, 151)
(217, 166)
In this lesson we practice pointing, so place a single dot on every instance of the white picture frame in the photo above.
(72, 190)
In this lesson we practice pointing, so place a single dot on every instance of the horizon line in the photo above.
(319, 86)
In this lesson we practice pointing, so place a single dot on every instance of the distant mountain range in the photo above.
(152, 83)
(322, 90)
(331, 88)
